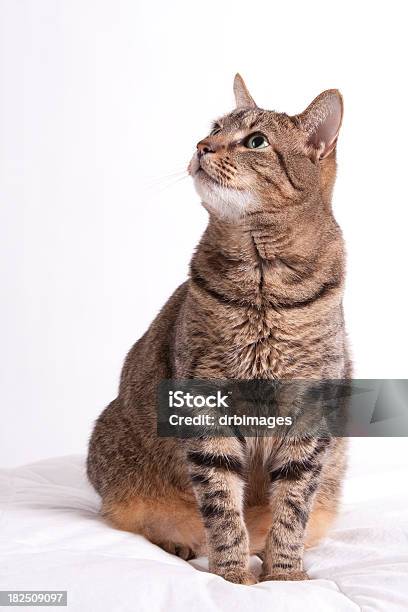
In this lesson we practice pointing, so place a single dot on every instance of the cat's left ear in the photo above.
(322, 121)
(243, 98)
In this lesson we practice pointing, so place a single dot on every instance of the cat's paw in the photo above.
(239, 576)
(184, 552)
(297, 575)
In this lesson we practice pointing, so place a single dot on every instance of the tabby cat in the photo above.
(263, 301)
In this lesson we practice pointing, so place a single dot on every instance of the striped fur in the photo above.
(263, 301)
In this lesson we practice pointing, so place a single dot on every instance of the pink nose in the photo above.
(204, 147)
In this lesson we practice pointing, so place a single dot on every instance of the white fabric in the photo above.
(51, 537)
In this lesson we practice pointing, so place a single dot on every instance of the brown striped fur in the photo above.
(263, 300)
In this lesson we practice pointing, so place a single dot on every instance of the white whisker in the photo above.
(165, 181)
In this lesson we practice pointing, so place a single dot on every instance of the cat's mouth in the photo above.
(201, 173)
(222, 200)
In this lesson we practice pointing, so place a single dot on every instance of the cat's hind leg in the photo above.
(258, 520)
(173, 523)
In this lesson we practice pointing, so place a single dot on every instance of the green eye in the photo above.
(256, 141)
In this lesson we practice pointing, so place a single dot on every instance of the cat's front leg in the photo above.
(217, 467)
(293, 487)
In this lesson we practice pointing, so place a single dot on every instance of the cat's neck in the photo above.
(274, 258)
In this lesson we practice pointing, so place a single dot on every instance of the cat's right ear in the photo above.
(243, 98)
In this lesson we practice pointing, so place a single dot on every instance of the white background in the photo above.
(102, 100)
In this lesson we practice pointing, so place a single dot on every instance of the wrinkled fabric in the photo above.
(52, 537)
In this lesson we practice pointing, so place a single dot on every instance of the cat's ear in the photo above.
(321, 121)
(243, 98)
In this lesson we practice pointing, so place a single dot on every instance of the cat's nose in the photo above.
(204, 147)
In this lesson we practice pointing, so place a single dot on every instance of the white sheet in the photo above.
(51, 537)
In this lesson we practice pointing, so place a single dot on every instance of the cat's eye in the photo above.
(216, 128)
(256, 141)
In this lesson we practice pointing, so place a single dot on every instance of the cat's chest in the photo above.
(258, 346)
(264, 343)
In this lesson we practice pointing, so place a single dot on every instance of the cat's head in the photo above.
(255, 160)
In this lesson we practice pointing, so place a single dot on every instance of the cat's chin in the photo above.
(224, 202)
